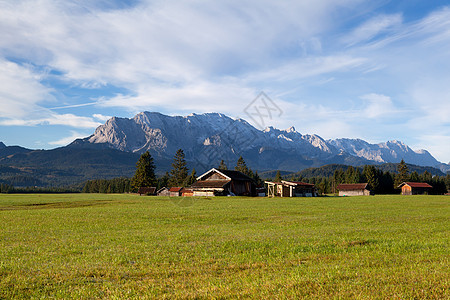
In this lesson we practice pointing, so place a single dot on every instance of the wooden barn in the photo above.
(147, 191)
(354, 189)
(175, 191)
(290, 189)
(219, 182)
(163, 192)
(415, 188)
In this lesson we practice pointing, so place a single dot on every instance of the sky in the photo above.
(374, 70)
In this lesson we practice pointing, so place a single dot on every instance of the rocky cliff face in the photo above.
(208, 138)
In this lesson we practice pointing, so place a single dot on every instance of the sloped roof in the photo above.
(210, 183)
(416, 184)
(352, 186)
(147, 190)
(298, 183)
(230, 174)
(175, 189)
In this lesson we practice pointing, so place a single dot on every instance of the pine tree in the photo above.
(145, 172)
(414, 177)
(402, 175)
(257, 179)
(179, 171)
(241, 166)
(222, 165)
(191, 179)
(370, 174)
(278, 177)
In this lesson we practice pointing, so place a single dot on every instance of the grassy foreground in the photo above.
(126, 246)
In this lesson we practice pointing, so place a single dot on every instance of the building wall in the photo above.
(354, 193)
(406, 190)
(203, 194)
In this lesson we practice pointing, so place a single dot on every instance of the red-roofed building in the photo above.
(175, 191)
(290, 189)
(415, 188)
(353, 189)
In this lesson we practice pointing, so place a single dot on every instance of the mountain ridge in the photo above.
(210, 137)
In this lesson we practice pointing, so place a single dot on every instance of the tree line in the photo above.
(145, 176)
(378, 181)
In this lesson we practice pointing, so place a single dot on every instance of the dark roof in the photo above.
(175, 189)
(416, 184)
(146, 190)
(352, 186)
(232, 174)
(300, 183)
(161, 189)
(210, 183)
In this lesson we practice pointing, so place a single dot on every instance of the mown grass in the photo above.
(126, 246)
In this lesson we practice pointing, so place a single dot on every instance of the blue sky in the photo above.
(375, 70)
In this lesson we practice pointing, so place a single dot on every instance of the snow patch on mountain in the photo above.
(226, 137)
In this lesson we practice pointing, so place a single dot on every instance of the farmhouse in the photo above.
(415, 188)
(290, 189)
(354, 189)
(219, 182)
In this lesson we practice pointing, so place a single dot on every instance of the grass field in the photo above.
(126, 246)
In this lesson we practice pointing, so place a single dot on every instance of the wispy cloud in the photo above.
(54, 119)
(68, 139)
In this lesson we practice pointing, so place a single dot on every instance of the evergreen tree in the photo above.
(257, 179)
(222, 165)
(191, 178)
(414, 177)
(278, 177)
(426, 177)
(370, 174)
(352, 175)
(402, 176)
(179, 171)
(241, 166)
(163, 181)
(145, 172)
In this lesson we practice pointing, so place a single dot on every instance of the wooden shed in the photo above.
(163, 192)
(147, 191)
(354, 189)
(290, 189)
(175, 191)
(415, 188)
(219, 182)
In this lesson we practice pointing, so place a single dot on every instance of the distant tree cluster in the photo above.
(10, 189)
(108, 186)
(378, 181)
(241, 166)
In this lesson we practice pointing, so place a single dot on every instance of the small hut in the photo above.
(175, 191)
(354, 189)
(290, 189)
(149, 191)
(163, 192)
(415, 188)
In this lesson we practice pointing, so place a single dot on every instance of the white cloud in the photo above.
(101, 117)
(20, 90)
(69, 139)
(53, 119)
(378, 106)
(372, 28)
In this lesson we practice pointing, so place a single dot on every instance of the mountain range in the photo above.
(208, 138)
(113, 149)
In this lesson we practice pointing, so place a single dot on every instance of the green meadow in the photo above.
(93, 246)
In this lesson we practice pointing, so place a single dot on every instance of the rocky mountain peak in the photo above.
(215, 136)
